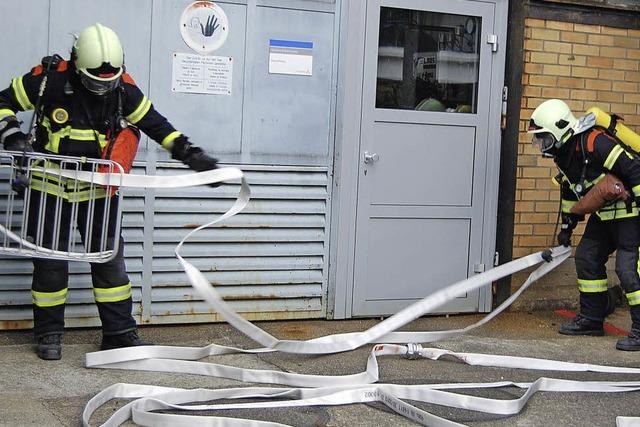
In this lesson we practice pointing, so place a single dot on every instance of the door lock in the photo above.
(371, 157)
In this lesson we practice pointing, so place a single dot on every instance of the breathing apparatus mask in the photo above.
(546, 143)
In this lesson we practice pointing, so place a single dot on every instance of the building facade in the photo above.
(395, 163)
(588, 54)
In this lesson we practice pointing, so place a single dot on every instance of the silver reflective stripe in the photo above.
(591, 286)
(7, 133)
(633, 298)
(49, 299)
(119, 293)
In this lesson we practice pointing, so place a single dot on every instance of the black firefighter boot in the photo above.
(632, 342)
(580, 325)
(591, 318)
(49, 347)
(127, 339)
(614, 299)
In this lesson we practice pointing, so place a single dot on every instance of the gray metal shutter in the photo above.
(269, 261)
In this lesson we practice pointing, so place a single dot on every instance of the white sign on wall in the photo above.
(201, 74)
(204, 26)
(290, 57)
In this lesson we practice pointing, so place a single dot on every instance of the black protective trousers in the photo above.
(52, 275)
(599, 241)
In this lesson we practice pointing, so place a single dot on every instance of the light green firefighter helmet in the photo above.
(98, 58)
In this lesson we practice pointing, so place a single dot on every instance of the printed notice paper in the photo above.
(201, 74)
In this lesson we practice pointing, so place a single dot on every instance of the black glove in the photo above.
(20, 183)
(193, 156)
(564, 237)
(18, 141)
(569, 223)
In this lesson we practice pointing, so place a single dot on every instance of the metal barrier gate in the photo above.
(46, 215)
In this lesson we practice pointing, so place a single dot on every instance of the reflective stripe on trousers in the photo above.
(112, 288)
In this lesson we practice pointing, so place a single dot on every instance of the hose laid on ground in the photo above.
(330, 390)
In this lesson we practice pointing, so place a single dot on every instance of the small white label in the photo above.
(290, 57)
(201, 74)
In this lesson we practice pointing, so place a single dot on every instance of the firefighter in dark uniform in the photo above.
(87, 102)
(583, 157)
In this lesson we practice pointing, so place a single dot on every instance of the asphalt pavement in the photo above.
(53, 393)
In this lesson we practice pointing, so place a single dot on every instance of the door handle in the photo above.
(370, 158)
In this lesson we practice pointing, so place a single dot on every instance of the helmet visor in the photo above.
(544, 141)
(100, 85)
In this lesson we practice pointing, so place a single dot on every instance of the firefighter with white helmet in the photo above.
(584, 155)
(88, 103)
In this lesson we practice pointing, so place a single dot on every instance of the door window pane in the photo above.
(428, 61)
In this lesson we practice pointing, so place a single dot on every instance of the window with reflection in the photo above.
(428, 61)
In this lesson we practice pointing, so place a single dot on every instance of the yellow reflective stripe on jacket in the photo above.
(636, 190)
(633, 298)
(591, 286)
(69, 184)
(54, 138)
(613, 156)
(589, 184)
(83, 196)
(5, 112)
(567, 205)
(21, 94)
(167, 142)
(70, 196)
(56, 180)
(45, 176)
(116, 294)
(140, 111)
(45, 187)
(617, 211)
(49, 299)
(68, 189)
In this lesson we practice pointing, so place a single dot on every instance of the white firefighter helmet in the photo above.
(552, 124)
(98, 58)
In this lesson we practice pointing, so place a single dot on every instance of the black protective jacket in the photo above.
(76, 122)
(585, 159)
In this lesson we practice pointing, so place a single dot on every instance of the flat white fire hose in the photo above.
(329, 390)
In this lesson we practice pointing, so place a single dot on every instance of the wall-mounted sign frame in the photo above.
(204, 26)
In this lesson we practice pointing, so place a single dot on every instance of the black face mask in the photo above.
(546, 143)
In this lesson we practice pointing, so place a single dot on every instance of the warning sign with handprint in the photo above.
(204, 26)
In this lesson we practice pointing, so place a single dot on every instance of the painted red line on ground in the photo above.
(608, 327)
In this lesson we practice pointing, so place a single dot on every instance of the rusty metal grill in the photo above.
(46, 215)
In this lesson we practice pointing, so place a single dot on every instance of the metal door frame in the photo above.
(347, 154)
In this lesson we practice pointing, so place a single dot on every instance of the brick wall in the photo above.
(585, 65)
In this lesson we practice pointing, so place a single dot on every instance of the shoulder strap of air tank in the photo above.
(591, 140)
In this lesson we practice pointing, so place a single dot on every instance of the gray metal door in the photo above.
(423, 152)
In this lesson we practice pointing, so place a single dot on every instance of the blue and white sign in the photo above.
(204, 26)
(290, 57)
